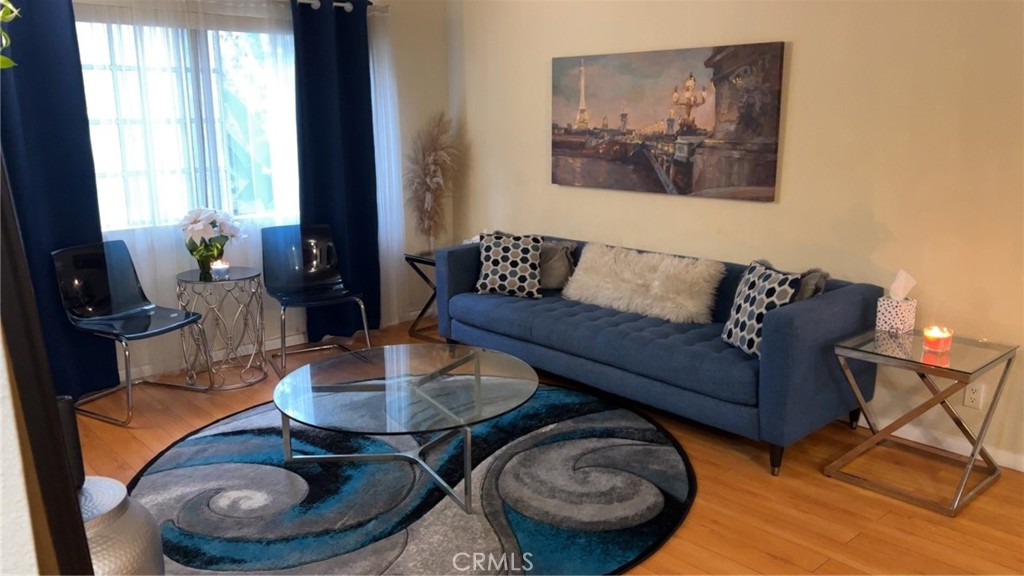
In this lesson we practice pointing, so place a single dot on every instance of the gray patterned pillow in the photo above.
(510, 264)
(760, 290)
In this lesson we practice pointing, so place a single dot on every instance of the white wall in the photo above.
(901, 146)
(17, 547)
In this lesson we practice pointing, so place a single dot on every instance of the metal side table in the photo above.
(232, 309)
(965, 362)
(415, 260)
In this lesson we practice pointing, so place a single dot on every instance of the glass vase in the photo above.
(204, 269)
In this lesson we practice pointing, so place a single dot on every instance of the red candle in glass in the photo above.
(937, 338)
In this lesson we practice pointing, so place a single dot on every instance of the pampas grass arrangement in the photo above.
(429, 174)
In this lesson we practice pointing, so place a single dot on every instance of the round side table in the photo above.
(232, 309)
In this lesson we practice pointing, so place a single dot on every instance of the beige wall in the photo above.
(420, 54)
(901, 147)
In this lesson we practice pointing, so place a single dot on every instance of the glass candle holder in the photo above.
(219, 269)
(937, 338)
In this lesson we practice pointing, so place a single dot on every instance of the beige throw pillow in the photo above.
(674, 288)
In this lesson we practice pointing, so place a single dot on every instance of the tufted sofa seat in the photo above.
(793, 389)
(641, 344)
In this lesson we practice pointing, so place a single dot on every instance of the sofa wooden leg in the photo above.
(854, 418)
(775, 456)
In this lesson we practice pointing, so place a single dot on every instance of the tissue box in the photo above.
(895, 315)
(893, 344)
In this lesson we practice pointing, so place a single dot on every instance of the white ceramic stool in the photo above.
(123, 536)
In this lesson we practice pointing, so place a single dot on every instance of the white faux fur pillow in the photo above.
(675, 288)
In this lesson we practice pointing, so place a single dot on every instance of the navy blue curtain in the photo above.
(46, 149)
(337, 178)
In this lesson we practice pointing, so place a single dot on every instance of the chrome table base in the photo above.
(415, 456)
(961, 497)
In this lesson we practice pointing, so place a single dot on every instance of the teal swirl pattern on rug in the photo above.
(568, 483)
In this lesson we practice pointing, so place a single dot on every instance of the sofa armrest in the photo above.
(458, 268)
(802, 387)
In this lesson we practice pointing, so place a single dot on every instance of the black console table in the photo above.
(416, 260)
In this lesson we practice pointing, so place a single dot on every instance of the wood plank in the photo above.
(668, 562)
(109, 454)
(875, 554)
(834, 566)
(806, 522)
(100, 461)
(798, 547)
(750, 547)
(706, 560)
(987, 550)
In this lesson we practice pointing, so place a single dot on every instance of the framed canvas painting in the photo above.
(690, 122)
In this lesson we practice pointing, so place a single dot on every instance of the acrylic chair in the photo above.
(102, 295)
(300, 269)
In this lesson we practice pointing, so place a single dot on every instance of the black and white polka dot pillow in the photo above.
(510, 264)
(761, 289)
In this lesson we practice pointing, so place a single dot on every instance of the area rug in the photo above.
(568, 483)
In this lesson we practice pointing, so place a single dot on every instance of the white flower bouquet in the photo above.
(206, 233)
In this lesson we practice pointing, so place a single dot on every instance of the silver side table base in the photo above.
(965, 363)
(232, 309)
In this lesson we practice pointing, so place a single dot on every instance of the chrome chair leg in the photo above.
(96, 396)
(283, 354)
(128, 382)
(366, 325)
(284, 349)
(126, 386)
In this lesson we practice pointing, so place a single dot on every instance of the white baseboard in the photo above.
(957, 444)
(269, 346)
(411, 315)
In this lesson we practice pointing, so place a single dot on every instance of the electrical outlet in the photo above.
(974, 394)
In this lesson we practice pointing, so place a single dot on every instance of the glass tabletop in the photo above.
(966, 359)
(422, 257)
(405, 389)
(234, 273)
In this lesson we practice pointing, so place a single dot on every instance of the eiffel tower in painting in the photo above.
(582, 121)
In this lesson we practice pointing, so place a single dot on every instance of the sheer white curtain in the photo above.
(388, 154)
(191, 104)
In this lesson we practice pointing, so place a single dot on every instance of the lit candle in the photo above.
(219, 269)
(937, 338)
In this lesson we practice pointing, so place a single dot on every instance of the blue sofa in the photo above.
(794, 389)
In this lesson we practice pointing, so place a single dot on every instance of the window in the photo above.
(188, 116)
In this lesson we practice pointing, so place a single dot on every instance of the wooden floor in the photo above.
(743, 521)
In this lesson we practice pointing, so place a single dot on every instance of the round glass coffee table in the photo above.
(404, 389)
